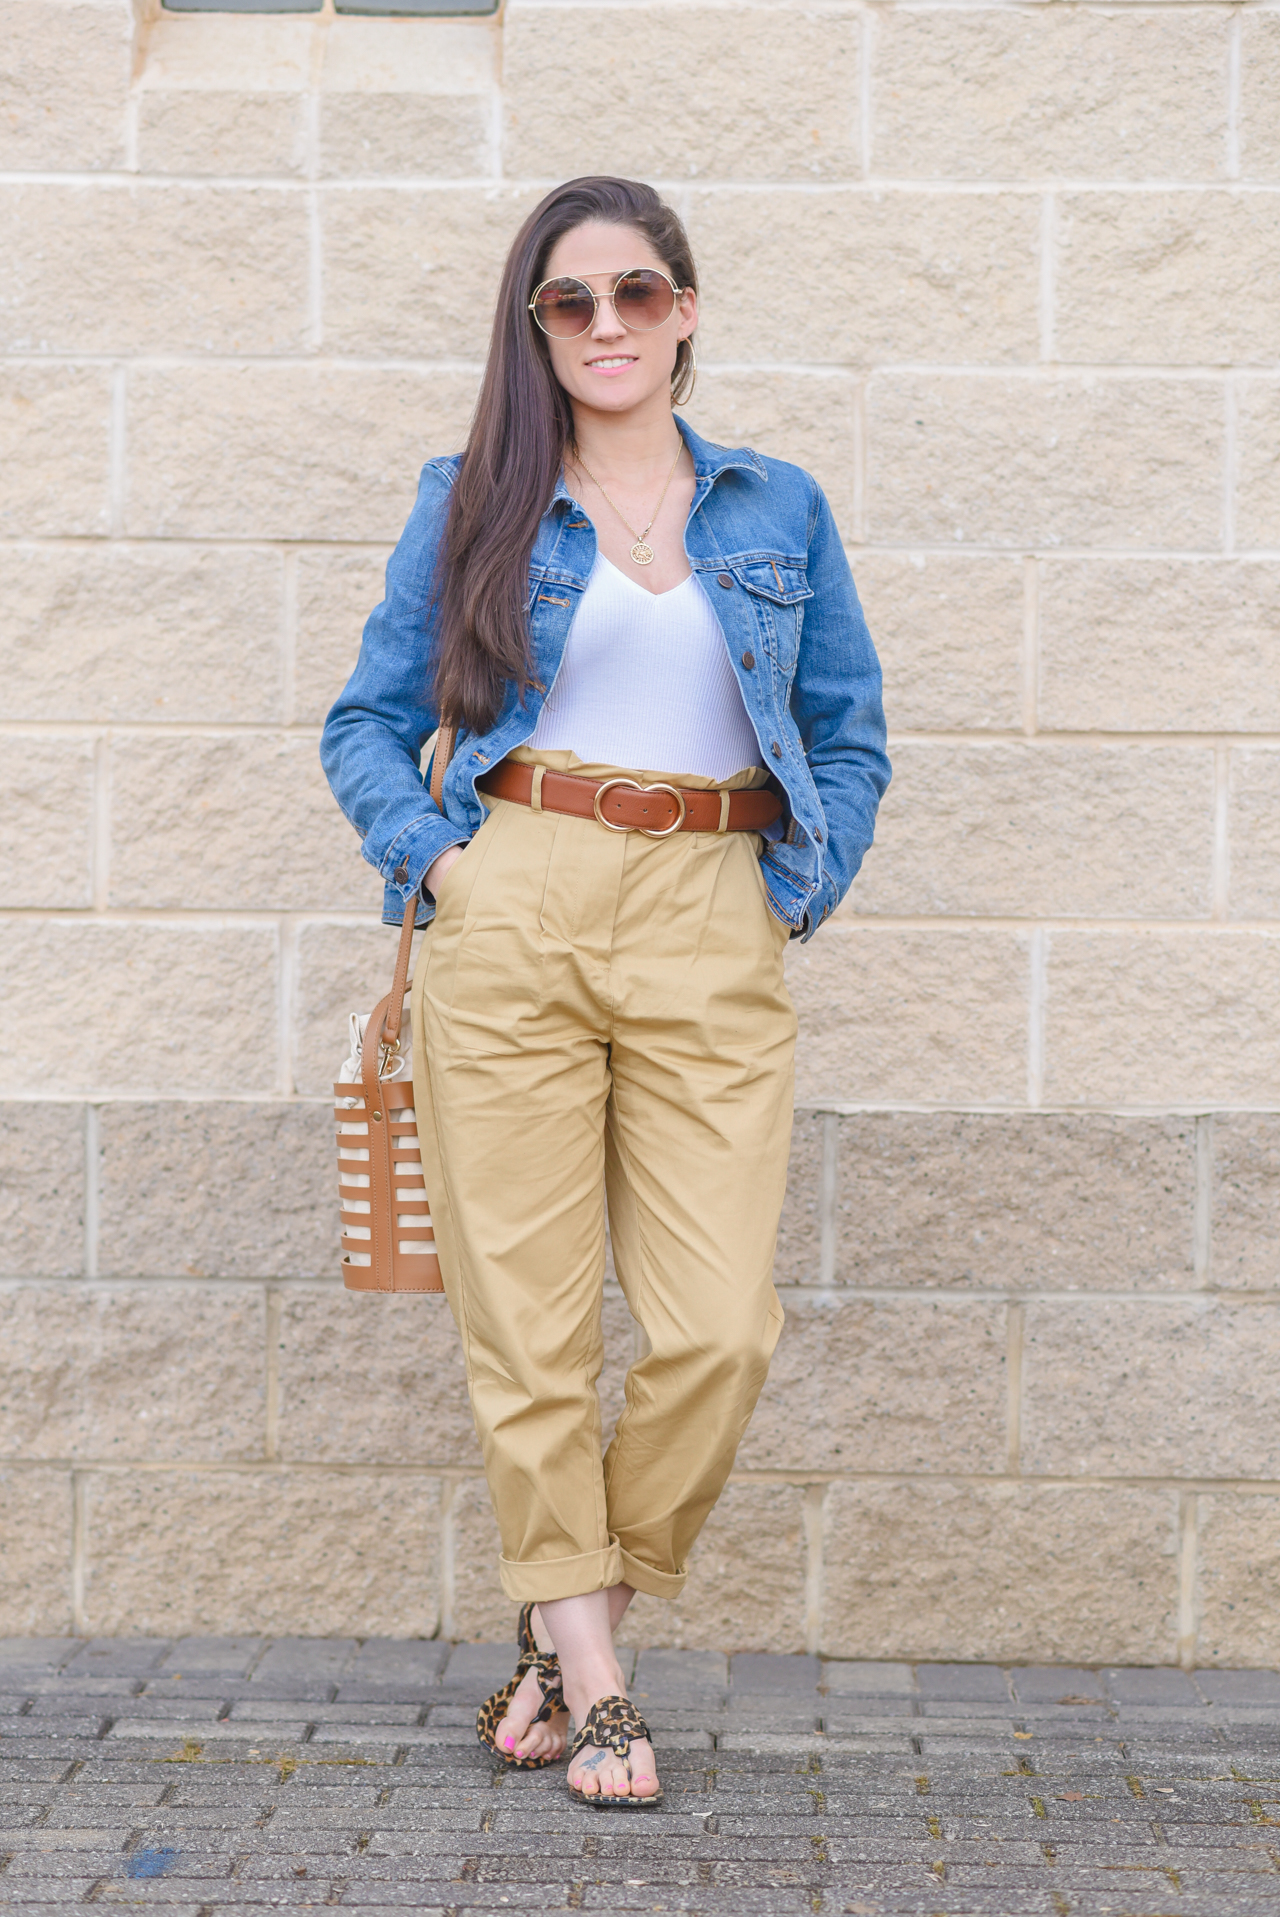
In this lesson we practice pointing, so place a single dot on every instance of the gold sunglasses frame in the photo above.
(676, 294)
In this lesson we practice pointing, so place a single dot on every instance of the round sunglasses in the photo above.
(642, 299)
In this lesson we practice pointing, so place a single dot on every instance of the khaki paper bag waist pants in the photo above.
(595, 1008)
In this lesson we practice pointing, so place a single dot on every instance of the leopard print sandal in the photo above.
(613, 1724)
(494, 1709)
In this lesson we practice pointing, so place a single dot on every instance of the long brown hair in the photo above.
(522, 428)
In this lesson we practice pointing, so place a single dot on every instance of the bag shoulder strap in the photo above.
(446, 739)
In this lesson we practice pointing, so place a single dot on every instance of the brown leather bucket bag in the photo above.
(387, 1239)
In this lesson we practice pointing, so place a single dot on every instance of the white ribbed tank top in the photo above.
(645, 681)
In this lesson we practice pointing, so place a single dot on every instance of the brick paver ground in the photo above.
(199, 1777)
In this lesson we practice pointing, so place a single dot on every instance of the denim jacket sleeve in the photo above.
(373, 736)
(836, 704)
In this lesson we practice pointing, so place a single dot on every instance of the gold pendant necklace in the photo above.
(642, 552)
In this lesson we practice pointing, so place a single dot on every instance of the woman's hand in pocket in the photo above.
(438, 867)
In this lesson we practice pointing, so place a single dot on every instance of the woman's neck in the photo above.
(633, 443)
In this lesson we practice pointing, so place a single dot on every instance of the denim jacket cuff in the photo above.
(413, 852)
(788, 897)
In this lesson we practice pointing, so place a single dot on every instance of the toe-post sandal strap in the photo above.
(546, 1665)
(612, 1724)
(494, 1709)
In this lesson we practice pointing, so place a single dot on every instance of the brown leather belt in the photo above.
(623, 805)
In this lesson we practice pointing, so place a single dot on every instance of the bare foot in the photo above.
(596, 1772)
(583, 1628)
(517, 1735)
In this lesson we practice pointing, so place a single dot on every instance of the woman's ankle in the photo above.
(541, 1635)
(586, 1687)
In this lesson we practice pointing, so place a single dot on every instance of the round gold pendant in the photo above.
(642, 554)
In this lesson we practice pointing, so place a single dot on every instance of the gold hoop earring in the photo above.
(685, 378)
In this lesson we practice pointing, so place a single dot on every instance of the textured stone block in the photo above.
(480, 1611)
(797, 1260)
(46, 821)
(221, 133)
(217, 1190)
(53, 450)
(673, 93)
(1044, 462)
(861, 276)
(409, 102)
(138, 632)
(438, 254)
(1253, 831)
(319, 1553)
(382, 56)
(1004, 1571)
(984, 94)
(116, 1373)
(1099, 1378)
(1019, 830)
(64, 80)
(1246, 1200)
(372, 1380)
(883, 1385)
(341, 969)
(432, 134)
(167, 269)
(808, 418)
(1258, 464)
(186, 823)
(165, 1009)
(417, 102)
(886, 1015)
(1056, 1201)
(1259, 82)
(35, 1551)
(1159, 644)
(747, 1579)
(336, 592)
(948, 629)
(1158, 1018)
(1167, 279)
(285, 452)
(216, 52)
(42, 1155)
(1238, 1548)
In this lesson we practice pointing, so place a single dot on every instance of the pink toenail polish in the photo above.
(511, 1743)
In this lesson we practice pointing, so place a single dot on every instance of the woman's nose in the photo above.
(607, 324)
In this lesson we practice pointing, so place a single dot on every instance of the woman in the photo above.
(670, 755)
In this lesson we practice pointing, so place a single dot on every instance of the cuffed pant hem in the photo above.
(561, 1577)
(643, 1577)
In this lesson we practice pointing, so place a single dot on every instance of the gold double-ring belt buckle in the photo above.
(649, 832)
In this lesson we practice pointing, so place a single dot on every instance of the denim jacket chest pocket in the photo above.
(777, 590)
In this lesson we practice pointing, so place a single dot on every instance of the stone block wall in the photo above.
(1006, 279)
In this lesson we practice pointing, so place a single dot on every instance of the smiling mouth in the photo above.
(614, 359)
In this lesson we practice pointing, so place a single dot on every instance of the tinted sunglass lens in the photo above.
(643, 299)
(564, 308)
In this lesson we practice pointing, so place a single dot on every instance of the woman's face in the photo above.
(607, 367)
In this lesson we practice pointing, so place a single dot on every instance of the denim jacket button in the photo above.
(748, 660)
(776, 749)
(401, 875)
(724, 579)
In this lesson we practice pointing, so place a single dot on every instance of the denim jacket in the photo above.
(761, 539)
